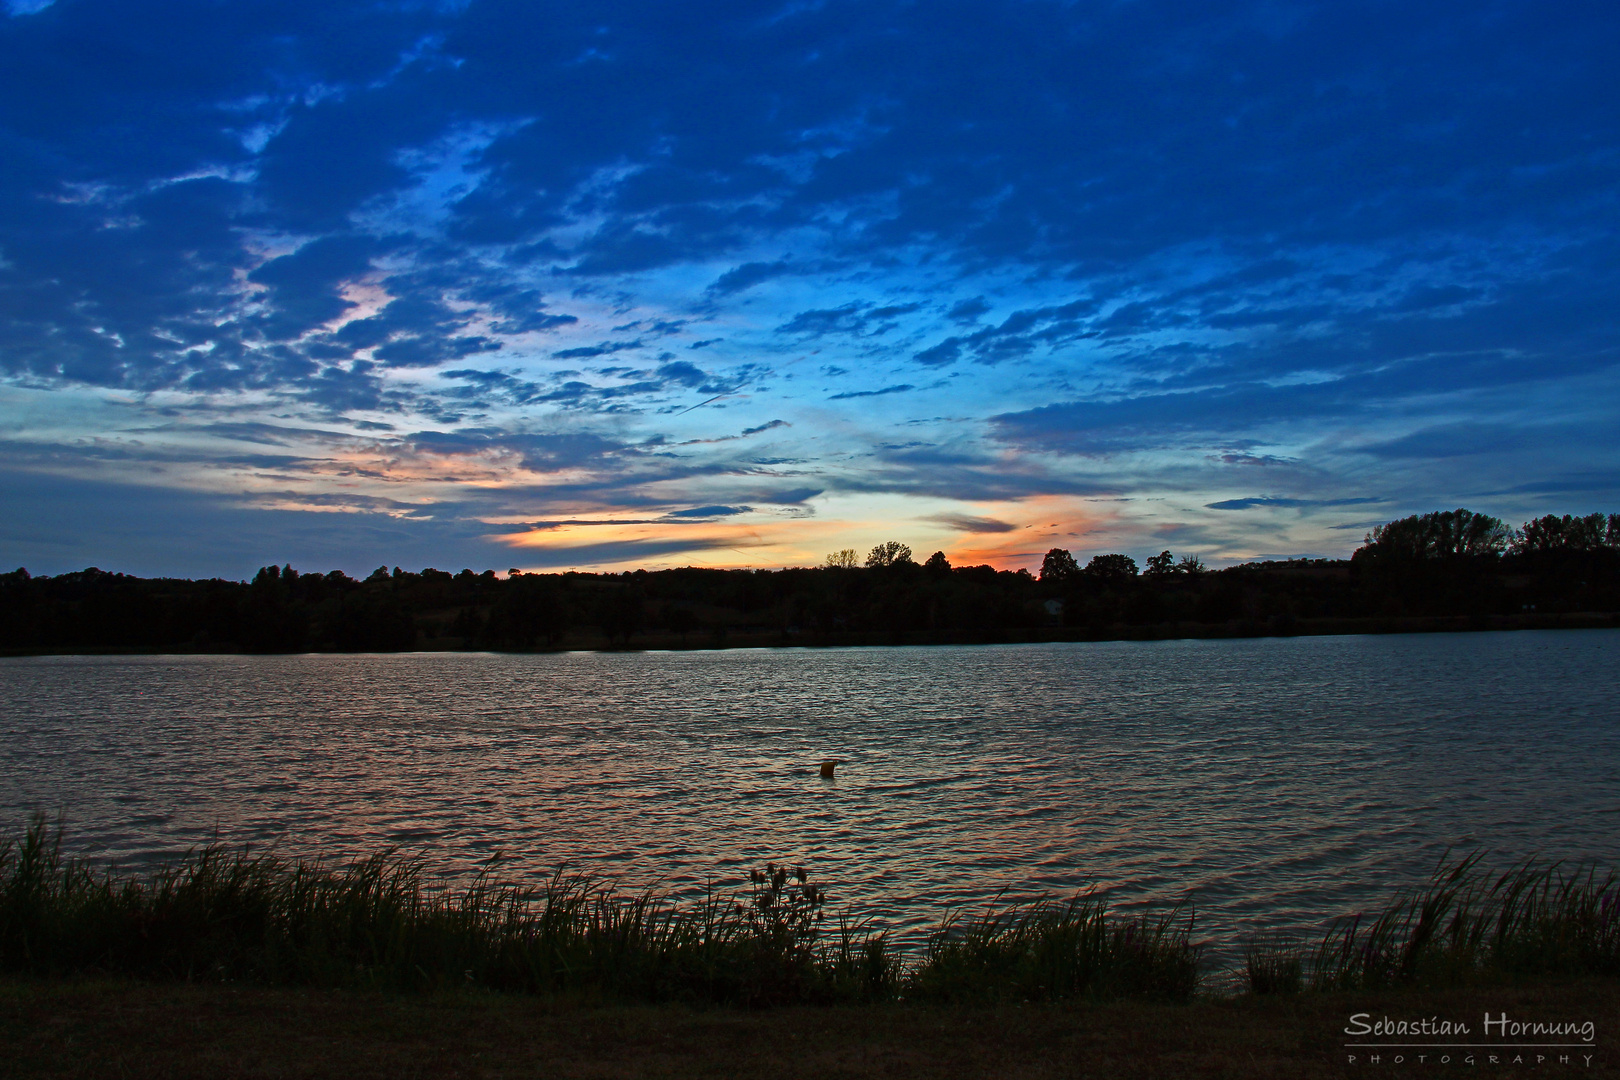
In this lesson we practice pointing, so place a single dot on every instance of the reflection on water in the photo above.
(1281, 780)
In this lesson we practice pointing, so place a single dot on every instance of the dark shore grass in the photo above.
(232, 915)
(1468, 926)
(222, 914)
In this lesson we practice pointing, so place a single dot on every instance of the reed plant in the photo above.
(1467, 926)
(1055, 950)
(227, 914)
(223, 914)
(1273, 963)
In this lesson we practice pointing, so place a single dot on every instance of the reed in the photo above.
(219, 914)
(1055, 950)
(223, 914)
(1467, 926)
(1273, 963)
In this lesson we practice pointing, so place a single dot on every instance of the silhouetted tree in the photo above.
(1554, 533)
(681, 621)
(1111, 568)
(530, 607)
(1059, 568)
(468, 625)
(888, 553)
(620, 614)
(269, 621)
(369, 619)
(1438, 535)
(1447, 563)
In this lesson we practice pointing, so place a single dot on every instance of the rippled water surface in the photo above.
(1282, 781)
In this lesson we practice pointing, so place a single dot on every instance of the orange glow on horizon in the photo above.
(762, 540)
(1040, 525)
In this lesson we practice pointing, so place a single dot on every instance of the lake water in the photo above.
(1279, 781)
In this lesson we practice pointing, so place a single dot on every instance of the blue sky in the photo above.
(610, 285)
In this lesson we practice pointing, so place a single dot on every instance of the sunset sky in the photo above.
(609, 285)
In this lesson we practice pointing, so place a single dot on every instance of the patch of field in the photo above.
(90, 1028)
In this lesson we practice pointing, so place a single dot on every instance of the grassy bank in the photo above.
(103, 1028)
(229, 915)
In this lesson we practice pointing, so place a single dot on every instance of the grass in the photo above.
(125, 1028)
(223, 915)
(1057, 951)
(1468, 926)
(232, 915)
(1273, 964)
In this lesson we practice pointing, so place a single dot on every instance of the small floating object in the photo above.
(827, 768)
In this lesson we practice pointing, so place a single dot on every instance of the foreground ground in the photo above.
(123, 1029)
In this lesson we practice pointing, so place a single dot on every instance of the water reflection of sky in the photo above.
(1280, 781)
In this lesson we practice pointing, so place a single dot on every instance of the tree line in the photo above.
(1452, 564)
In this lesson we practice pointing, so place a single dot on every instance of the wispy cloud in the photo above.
(1285, 503)
(968, 524)
(900, 388)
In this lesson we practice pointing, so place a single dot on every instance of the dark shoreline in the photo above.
(746, 639)
(106, 1027)
(1380, 590)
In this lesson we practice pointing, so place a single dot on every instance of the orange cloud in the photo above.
(1039, 526)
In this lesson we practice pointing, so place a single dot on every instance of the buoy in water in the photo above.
(827, 768)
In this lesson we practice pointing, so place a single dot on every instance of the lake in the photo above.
(1279, 781)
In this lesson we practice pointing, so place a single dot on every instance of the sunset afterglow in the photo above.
(568, 286)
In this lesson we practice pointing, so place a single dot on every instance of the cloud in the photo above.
(711, 511)
(1160, 420)
(1285, 503)
(537, 452)
(856, 318)
(133, 528)
(746, 276)
(683, 373)
(770, 426)
(516, 310)
(968, 524)
(1457, 440)
(612, 552)
(1141, 245)
(964, 472)
(846, 319)
(1020, 334)
(605, 348)
(692, 515)
(790, 496)
(305, 285)
(967, 311)
(1607, 483)
(899, 389)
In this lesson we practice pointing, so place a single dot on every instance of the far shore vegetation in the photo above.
(1447, 570)
(232, 915)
